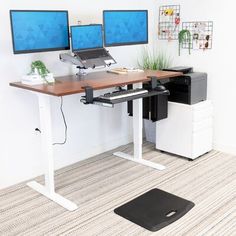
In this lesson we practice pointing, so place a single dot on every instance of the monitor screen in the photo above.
(85, 37)
(39, 31)
(125, 27)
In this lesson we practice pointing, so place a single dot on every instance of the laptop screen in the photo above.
(86, 37)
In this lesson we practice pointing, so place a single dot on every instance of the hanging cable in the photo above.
(65, 124)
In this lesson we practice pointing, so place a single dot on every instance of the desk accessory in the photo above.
(39, 74)
(154, 107)
(122, 96)
(87, 47)
(118, 71)
(123, 71)
(133, 69)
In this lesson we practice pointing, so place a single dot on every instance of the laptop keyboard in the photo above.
(86, 55)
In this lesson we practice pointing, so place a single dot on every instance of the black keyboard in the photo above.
(92, 54)
(123, 94)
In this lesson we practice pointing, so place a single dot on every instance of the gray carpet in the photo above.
(100, 184)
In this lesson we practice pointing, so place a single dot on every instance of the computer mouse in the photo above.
(160, 88)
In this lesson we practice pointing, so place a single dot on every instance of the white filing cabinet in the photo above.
(187, 131)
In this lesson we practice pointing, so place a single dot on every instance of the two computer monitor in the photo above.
(37, 31)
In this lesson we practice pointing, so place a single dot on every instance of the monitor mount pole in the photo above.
(81, 72)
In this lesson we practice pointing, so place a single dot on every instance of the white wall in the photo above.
(219, 63)
(94, 129)
(91, 129)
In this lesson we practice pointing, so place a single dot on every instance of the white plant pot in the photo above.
(35, 79)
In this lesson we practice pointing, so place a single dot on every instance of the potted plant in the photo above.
(184, 37)
(39, 68)
(154, 60)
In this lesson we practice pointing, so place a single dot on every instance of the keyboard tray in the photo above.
(131, 98)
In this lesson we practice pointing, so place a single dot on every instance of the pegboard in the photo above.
(169, 22)
(201, 34)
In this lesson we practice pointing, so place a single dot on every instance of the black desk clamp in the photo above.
(157, 85)
(154, 82)
(88, 98)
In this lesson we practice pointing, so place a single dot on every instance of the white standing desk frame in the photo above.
(48, 190)
(138, 136)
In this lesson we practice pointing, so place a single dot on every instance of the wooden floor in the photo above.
(100, 184)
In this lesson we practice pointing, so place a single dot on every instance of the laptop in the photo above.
(87, 45)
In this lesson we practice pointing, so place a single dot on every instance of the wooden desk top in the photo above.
(67, 85)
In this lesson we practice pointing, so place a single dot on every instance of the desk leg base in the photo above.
(140, 161)
(53, 196)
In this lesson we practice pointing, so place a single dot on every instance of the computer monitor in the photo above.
(125, 27)
(39, 31)
(84, 37)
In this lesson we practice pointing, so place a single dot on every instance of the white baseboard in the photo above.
(225, 148)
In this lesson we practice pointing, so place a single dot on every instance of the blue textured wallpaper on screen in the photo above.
(40, 30)
(125, 27)
(86, 37)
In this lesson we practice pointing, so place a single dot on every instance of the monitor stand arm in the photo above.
(82, 71)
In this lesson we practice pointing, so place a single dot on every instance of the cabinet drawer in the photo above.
(201, 125)
(202, 112)
(202, 142)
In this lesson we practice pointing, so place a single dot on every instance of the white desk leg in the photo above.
(138, 136)
(47, 151)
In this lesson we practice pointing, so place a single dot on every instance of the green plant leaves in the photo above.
(154, 60)
(41, 68)
(184, 36)
(39, 65)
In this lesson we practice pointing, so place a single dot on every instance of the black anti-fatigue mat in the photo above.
(155, 209)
